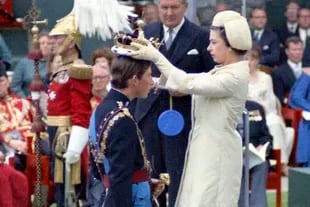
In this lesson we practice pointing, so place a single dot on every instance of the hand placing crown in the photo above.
(130, 44)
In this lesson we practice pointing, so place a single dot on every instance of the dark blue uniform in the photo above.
(258, 135)
(123, 154)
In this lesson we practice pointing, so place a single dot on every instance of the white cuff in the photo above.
(78, 139)
(306, 115)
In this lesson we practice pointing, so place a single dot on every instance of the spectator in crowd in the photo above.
(261, 91)
(16, 115)
(100, 80)
(304, 24)
(304, 33)
(220, 6)
(289, 28)
(5, 53)
(186, 47)
(24, 69)
(285, 75)
(300, 99)
(258, 136)
(150, 13)
(265, 38)
(102, 55)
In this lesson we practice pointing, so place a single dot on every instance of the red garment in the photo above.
(70, 97)
(13, 187)
(95, 101)
(16, 114)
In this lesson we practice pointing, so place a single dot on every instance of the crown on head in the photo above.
(124, 40)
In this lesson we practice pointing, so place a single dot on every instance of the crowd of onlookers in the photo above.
(279, 77)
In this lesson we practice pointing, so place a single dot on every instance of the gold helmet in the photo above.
(67, 26)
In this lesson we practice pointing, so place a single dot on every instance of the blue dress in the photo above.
(300, 98)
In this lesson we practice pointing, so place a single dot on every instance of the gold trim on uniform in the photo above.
(80, 71)
(63, 121)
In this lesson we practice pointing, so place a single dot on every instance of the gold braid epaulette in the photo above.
(110, 120)
(80, 71)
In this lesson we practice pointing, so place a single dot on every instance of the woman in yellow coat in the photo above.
(213, 163)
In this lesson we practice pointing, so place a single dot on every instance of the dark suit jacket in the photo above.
(283, 80)
(123, 151)
(283, 33)
(306, 57)
(270, 46)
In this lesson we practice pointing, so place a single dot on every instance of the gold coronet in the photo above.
(125, 40)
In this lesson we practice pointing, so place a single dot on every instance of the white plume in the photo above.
(102, 18)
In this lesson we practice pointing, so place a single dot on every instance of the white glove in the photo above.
(77, 142)
(306, 115)
(149, 53)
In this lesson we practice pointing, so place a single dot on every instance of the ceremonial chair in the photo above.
(292, 118)
(274, 177)
(265, 69)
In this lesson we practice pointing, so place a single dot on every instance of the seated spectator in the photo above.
(5, 54)
(150, 13)
(104, 56)
(13, 187)
(289, 28)
(300, 99)
(265, 38)
(24, 69)
(101, 79)
(285, 75)
(261, 91)
(258, 136)
(304, 33)
(15, 122)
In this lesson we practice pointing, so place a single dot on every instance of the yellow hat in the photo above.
(236, 28)
(67, 26)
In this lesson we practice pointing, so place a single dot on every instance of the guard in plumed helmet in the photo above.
(68, 113)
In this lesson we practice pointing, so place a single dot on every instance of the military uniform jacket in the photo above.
(69, 96)
(123, 151)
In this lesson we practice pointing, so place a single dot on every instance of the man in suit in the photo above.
(258, 136)
(265, 38)
(285, 75)
(289, 28)
(187, 50)
(304, 33)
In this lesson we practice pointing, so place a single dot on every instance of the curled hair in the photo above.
(223, 35)
(124, 68)
(103, 52)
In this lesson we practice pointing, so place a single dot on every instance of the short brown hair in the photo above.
(123, 68)
(103, 52)
(293, 39)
